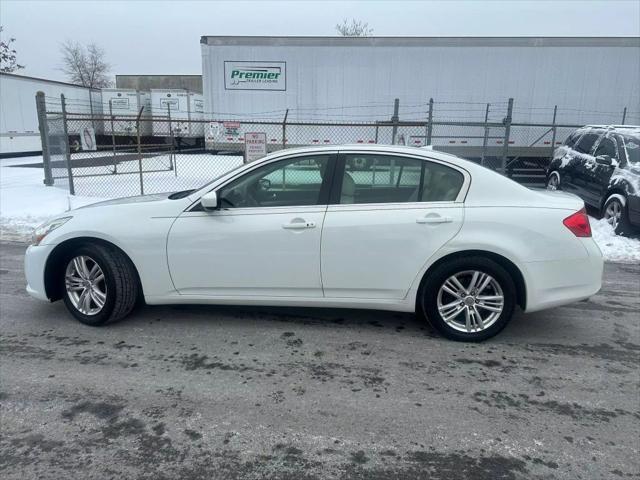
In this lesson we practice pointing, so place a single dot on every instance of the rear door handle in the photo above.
(433, 220)
(299, 225)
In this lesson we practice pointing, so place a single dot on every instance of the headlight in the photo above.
(46, 228)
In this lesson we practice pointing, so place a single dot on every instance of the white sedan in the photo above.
(378, 227)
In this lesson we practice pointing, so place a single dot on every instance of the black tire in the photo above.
(121, 281)
(556, 174)
(436, 279)
(623, 225)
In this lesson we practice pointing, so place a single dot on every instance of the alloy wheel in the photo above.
(613, 213)
(85, 285)
(554, 182)
(470, 301)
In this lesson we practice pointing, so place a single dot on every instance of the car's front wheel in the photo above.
(553, 181)
(100, 284)
(615, 213)
(469, 298)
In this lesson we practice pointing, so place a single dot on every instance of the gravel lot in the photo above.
(230, 393)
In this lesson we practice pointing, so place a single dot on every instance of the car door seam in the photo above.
(166, 253)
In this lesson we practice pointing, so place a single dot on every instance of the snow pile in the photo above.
(25, 202)
(615, 248)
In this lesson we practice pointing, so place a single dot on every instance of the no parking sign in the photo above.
(255, 146)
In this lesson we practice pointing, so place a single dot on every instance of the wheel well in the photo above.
(508, 265)
(615, 190)
(56, 263)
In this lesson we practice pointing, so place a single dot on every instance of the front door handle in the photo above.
(298, 224)
(434, 219)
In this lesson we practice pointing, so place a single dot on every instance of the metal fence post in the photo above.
(171, 137)
(284, 130)
(624, 115)
(486, 135)
(113, 140)
(554, 130)
(394, 120)
(429, 123)
(41, 108)
(91, 110)
(67, 151)
(507, 132)
(140, 150)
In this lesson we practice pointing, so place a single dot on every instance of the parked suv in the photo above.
(601, 164)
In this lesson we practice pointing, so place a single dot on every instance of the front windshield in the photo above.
(632, 148)
(219, 177)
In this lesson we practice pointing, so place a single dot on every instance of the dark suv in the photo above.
(601, 164)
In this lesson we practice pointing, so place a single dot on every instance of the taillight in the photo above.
(578, 223)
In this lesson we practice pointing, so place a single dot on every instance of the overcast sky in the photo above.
(162, 37)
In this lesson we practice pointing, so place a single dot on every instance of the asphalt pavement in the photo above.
(288, 393)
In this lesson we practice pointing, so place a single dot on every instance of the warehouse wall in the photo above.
(583, 76)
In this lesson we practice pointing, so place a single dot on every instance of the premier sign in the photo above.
(255, 75)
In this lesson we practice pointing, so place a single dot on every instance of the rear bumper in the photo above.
(35, 260)
(560, 282)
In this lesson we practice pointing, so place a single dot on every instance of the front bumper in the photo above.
(35, 260)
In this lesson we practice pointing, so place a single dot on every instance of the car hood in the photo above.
(156, 197)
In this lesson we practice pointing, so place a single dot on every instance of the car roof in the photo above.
(613, 127)
(378, 148)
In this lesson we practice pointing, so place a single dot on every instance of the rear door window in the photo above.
(632, 148)
(372, 178)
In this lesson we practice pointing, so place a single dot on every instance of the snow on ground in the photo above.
(615, 248)
(25, 202)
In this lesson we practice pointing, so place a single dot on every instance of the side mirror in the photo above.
(604, 160)
(209, 201)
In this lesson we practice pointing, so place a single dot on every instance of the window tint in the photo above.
(372, 178)
(632, 148)
(586, 143)
(292, 182)
(573, 138)
(607, 146)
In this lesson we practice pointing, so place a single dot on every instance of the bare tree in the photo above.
(85, 66)
(8, 59)
(356, 28)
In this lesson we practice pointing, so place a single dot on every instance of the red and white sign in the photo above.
(231, 128)
(255, 146)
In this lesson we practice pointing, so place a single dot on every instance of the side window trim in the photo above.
(340, 166)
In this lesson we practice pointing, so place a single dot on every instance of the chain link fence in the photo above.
(122, 155)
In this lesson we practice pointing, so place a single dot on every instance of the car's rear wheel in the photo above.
(553, 181)
(100, 284)
(469, 299)
(615, 213)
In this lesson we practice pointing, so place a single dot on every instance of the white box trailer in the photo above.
(182, 107)
(19, 132)
(356, 79)
(125, 104)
